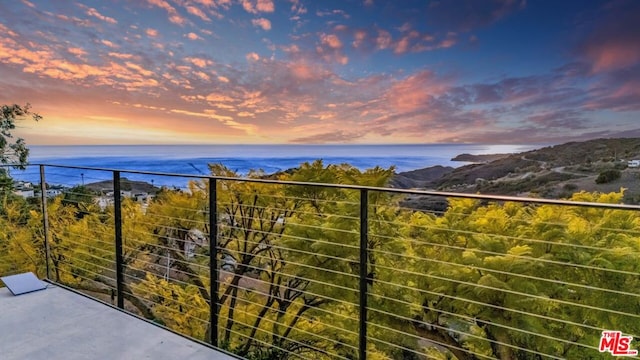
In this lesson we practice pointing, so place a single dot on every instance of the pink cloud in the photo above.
(330, 49)
(297, 8)
(193, 36)
(214, 4)
(613, 56)
(265, 6)
(72, 19)
(77, 51)
(333, 12)
(265, 24)
(256, 6)
(339, 136)
(174, 17)
(120, 55)
(415, 92)
(151, 32)
(358, 38)
(306, 71)
(613, 44)
(93, 12)
(252, 57)
(108, 43)
(331, 41)
(383, 40)
(401, 46)
(197, 12)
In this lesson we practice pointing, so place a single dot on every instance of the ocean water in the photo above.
(193, 159)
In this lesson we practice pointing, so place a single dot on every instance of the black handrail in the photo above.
(365, 276)
(370, 188)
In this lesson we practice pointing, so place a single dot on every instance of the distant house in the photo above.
(53, 192)
(25, 193)
(24, 189)
(633, 163)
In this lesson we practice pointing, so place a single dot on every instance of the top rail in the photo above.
(360, 187)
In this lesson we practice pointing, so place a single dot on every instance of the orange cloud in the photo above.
(199, 62)
(215, 97)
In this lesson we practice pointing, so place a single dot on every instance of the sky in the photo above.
(321, 71)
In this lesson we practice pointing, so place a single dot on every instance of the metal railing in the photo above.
(272, 269)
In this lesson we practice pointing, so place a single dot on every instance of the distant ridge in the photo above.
(554, 171)
(479, 158)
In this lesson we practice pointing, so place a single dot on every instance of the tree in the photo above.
(608, 176)
(13, 152)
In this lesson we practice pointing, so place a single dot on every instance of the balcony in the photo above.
(60, 324)
(287, 269)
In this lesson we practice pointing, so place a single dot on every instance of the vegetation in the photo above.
(608, 176)
(14, 152)
(480, 280)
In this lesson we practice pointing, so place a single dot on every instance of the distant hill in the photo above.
(483, 158)
(125, 185)
(553, 172)
(421, 178)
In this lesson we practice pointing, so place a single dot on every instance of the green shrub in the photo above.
(607, 176)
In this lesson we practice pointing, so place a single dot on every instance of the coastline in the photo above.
(192, 160)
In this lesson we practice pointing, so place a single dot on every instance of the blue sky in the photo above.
(294, 71)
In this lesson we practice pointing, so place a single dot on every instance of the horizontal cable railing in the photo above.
(286, 269)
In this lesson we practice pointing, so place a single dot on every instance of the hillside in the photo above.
(551, 172)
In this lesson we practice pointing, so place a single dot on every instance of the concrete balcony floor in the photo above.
(57, 324)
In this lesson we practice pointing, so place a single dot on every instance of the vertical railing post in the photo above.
(117, 214)
(45, 220)
(364, 250)
(214, 282)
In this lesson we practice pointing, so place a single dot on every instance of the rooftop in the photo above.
(56, 323)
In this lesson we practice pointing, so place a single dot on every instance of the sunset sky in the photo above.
(319, 71)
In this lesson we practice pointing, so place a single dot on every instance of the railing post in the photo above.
(364, 250)
(45, 220)
(117, 214)
(214, 281)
